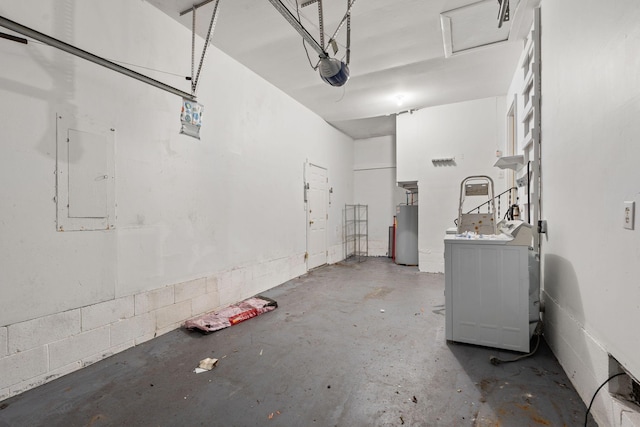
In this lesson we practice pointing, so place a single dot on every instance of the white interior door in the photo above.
(316, 216)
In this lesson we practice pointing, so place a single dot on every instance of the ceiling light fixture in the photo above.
(399, 100)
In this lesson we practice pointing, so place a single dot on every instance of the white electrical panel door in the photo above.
(85, 175)
(88, 175)
(487, 294)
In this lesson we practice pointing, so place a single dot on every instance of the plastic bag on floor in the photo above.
(232, 315)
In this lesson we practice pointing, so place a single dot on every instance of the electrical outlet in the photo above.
(629, 215)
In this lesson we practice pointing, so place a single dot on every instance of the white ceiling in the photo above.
(396, 48)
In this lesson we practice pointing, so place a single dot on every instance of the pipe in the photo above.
(286, 13)
(395, 228)
(26, 31)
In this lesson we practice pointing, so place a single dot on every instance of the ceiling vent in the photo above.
(473, 26)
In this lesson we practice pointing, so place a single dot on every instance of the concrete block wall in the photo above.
(40, 350)
(3, 342)
(586, 362)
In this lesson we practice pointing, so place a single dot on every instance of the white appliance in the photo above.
(407, 235)
(492, 288)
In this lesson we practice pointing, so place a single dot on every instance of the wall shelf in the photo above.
(510, 162)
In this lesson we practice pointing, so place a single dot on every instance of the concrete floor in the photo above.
(328, 356)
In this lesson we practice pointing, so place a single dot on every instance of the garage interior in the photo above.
(352, 344)
(166, 177)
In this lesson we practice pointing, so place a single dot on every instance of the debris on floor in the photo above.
(272, 414)
(206, 365)
(232, 315)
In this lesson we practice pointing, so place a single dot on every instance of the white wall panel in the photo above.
(468, 131)
(590, 128)
(374, 174)
(185, 208)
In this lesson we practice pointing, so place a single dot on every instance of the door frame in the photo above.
(307, 165)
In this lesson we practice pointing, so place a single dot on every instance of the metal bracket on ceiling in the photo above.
(297, 25)
(503, 12)
(348, 35)
(214, 17)
(332, 40)
(320, 48)
(345, 19)
(321, 24)
(195, 7)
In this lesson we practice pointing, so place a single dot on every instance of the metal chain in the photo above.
(212, 25)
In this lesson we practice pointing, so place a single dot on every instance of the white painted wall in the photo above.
(374, 175)
(469, 131)
(590, 152)
(226, 211)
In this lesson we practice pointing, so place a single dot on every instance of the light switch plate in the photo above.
(629, 215)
